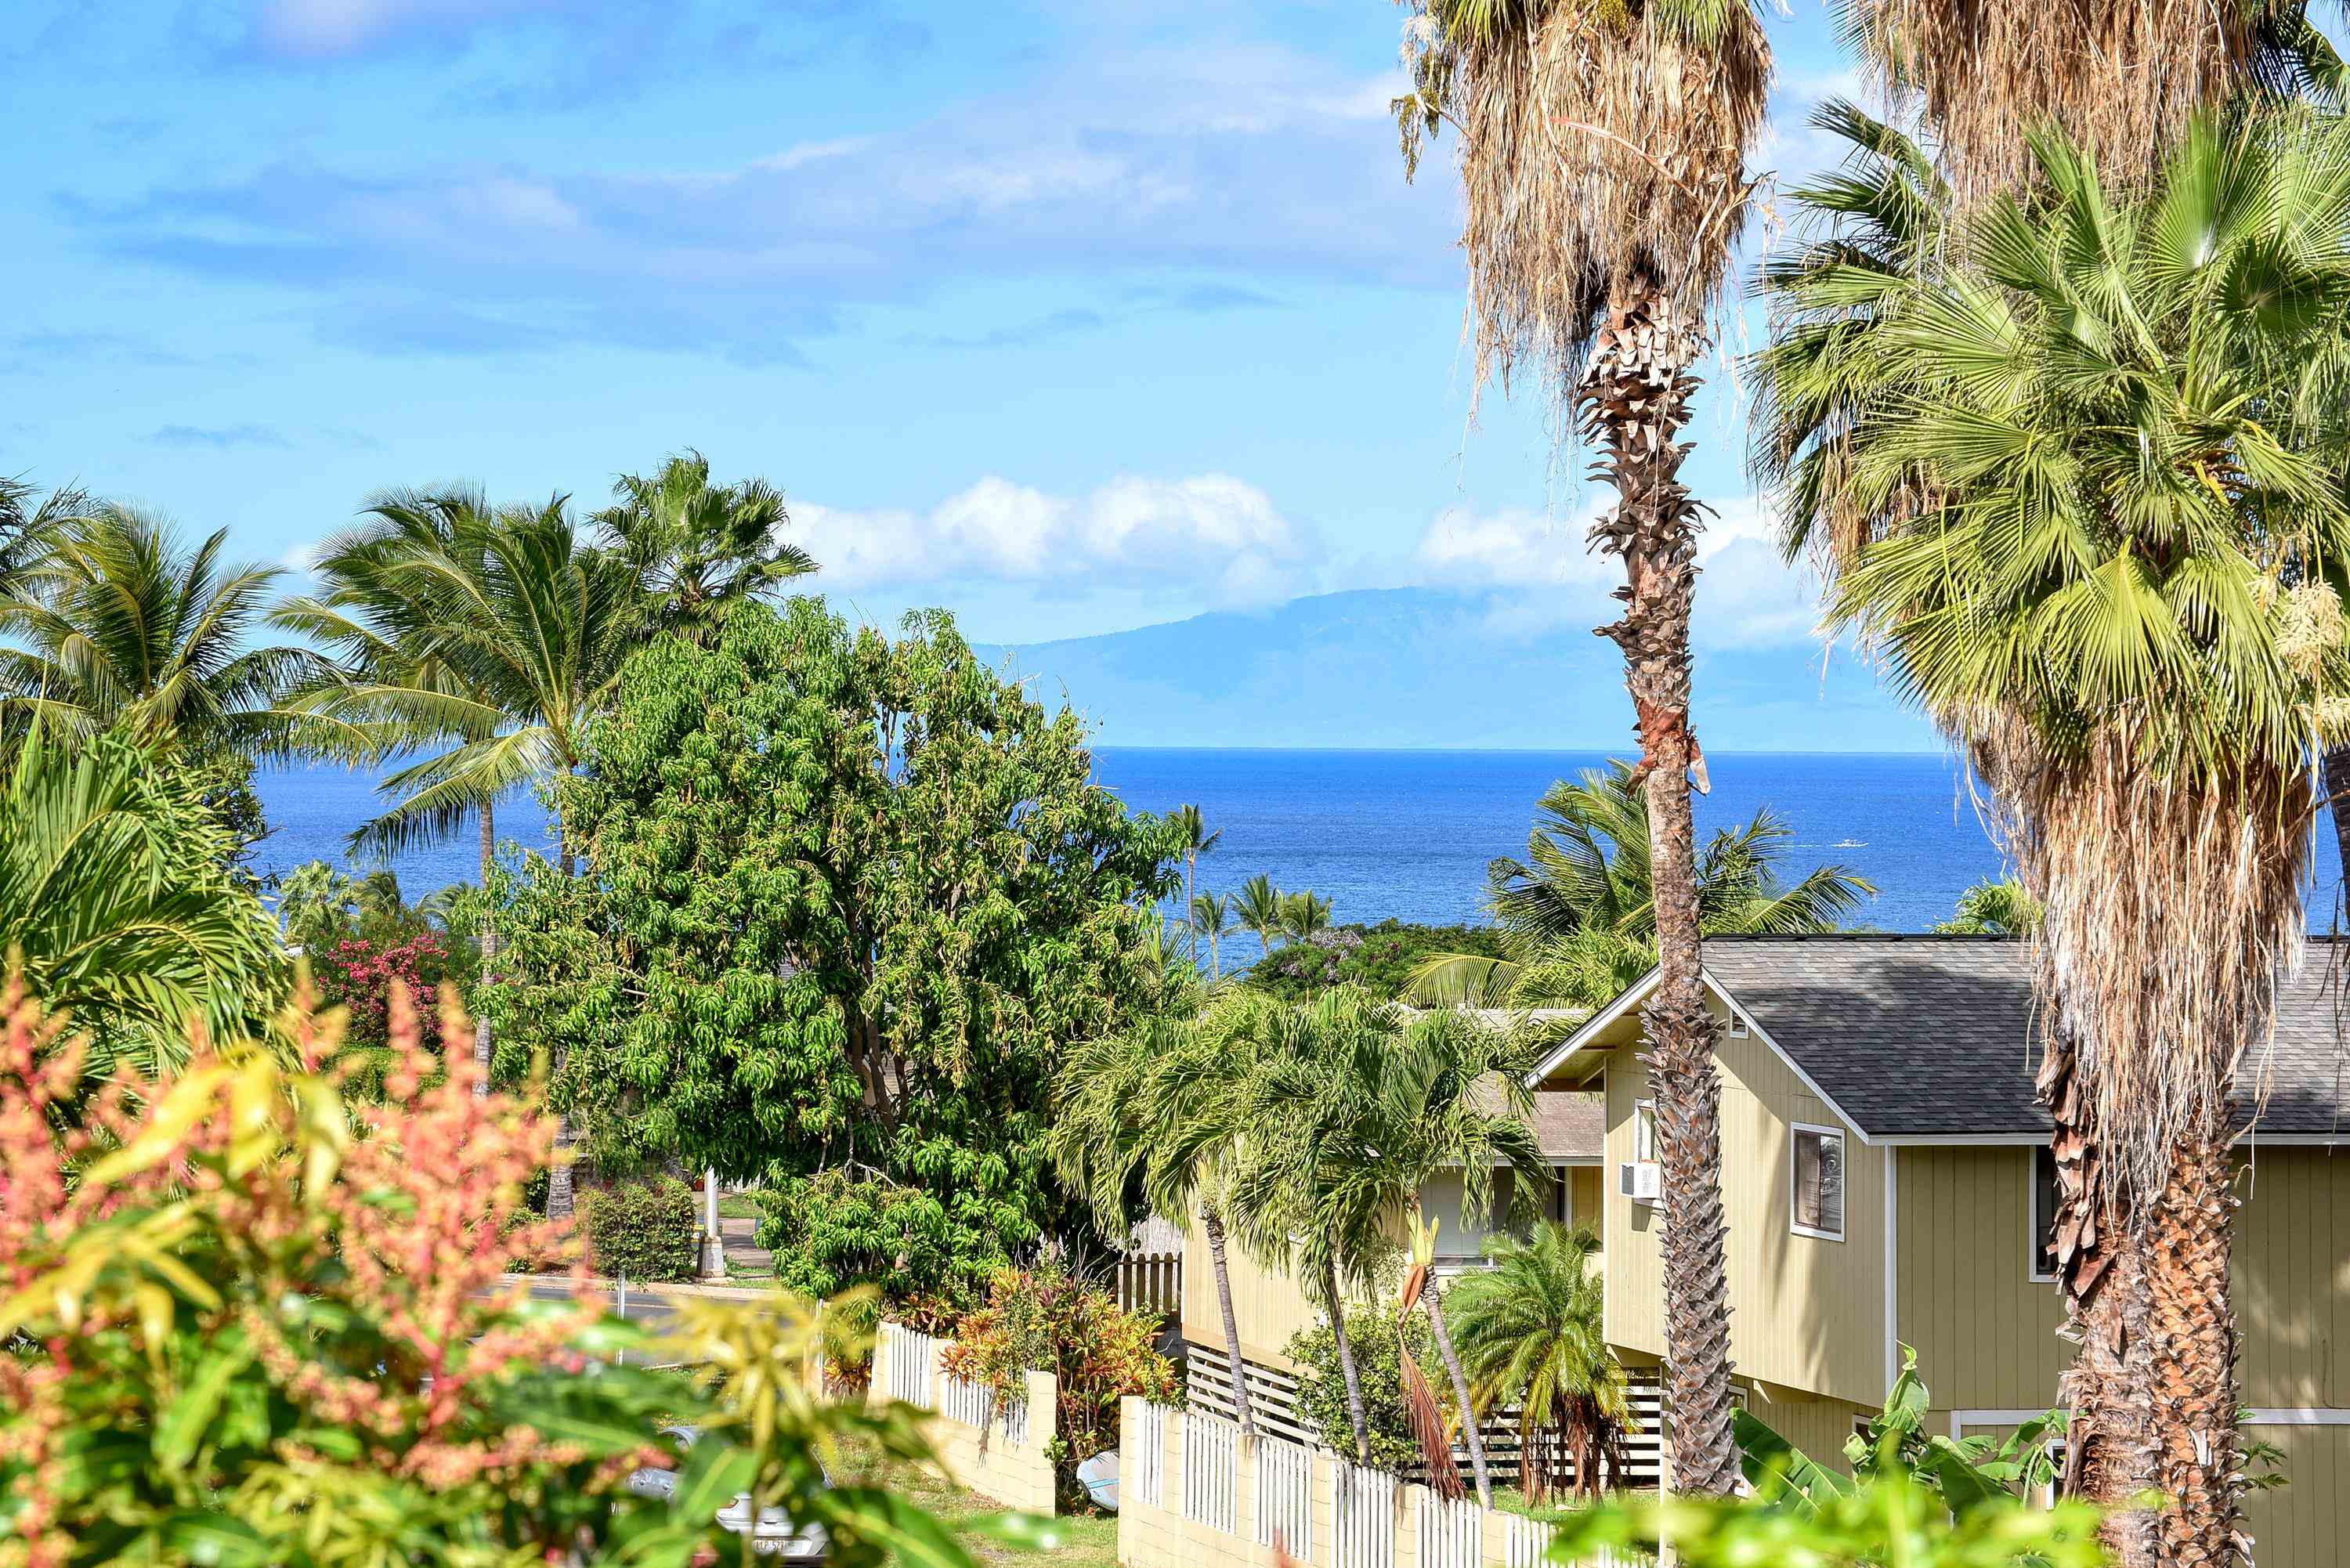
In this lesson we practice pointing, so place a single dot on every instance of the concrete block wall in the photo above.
(1395, 1524)
(1006, 1459)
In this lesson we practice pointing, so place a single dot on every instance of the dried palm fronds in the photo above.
(1429, 1428)
(2120, 75)
(1603, 153)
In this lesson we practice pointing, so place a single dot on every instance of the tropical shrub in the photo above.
(849, 901)
(1379, 1366)
(363, 977)
(1380, 959)
(642, 1229)
(1045, 1319)
(257, 1324)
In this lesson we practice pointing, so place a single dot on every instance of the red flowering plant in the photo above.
(362, 975)
(249, 1320)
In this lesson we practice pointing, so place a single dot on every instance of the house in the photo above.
(1886, 1182)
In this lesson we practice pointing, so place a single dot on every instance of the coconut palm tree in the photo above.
(699, 548)
(1257, 909)
(1578, 915)
(2086, 499)
(117, 902)
(1603, 158)
(1529, 1330)
(122, 624)
(2000, 908)
(1441, 1094)
(1193, 837)
(1304, 915)
(1156, 1112)
(28, 528)
(1212, 916)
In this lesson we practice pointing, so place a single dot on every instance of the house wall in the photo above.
(2304, 1524)
(1985, 1332)
(1805, 1313)
(1270, 1306)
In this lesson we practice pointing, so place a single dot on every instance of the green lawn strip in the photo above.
(1087, 1542)
(736, 1206)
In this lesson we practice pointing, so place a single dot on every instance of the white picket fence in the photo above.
(1284, 1497)
(1142, 1462)
(907, 1362)
(1524, 1541)
(1363, 1520)
(1210, 1470)
(1451, 1533)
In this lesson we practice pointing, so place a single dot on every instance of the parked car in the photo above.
(773, 1533)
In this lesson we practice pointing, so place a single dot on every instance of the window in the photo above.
(1819, 1183)
(2043, 1240)
(1738, 1030)
(1644, 1131)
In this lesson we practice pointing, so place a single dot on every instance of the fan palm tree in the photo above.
(1304, 915)
(2088, 470)
(699, 548)
(1529, 1330)
(1578, 915)
(1257, 909)
(1603, 160)
(117, 902)
(1193, 837)
(124, 626)
(1212, 916)
(1156, 1112)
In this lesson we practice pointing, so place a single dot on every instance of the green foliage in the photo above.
(117, 900)
(642, 1229)
(2000, 908)
(849, 901)
(1373, 1334)
(1529, 1333)
(305, 1358)
(1577, 916)
(1047, 1320)
(1380, 959)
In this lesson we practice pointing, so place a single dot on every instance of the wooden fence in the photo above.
(1151, 1282)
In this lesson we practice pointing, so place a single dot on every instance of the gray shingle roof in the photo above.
(1915, 1036)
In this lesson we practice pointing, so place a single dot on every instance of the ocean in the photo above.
(1401, 833)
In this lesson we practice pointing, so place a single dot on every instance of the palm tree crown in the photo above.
(699, 547)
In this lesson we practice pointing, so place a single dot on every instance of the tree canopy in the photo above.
(848, 901)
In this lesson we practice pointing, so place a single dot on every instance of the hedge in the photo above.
(643, 1229)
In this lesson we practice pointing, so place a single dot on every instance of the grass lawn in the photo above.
(736, 1206)
(1088, 1542)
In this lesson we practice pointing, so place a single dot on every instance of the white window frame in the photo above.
(1844, 1177)
(1649, 1156)
(2032, 1228)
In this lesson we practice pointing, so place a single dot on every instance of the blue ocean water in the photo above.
(1405, 833)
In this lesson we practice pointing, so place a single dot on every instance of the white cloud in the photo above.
(1210, 537)
(1542, 574)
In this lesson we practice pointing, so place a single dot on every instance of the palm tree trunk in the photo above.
(2338, 800)
(1633, 397)
(1432, 1299)
(1356, 1414)
(2101, 1277)
(483, 1051)
(558, 1180)
(1190, 915)
(1243, 1406)
(2198, 1459)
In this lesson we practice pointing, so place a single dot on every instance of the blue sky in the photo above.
(1073, 315)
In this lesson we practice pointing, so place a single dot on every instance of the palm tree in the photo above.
(1158, 1110)
(2000, 908)
(699, 548)
(125, 627)
(28, 529)
(2088, 468)
(1578, 915)
(1304, 915)
(1193, 837)
(1257, 909)
(1212, 916)
(117, 902)
(1603, 156)
(1530, 1334)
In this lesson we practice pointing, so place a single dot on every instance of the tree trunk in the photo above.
(558, 1180)
(1190, 915)
(1355, 1415)
(1633, 398)
(1431, 1298)
(1212, 1222)
(2198, 1459)
(2101, 1277)
(483, 1051)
